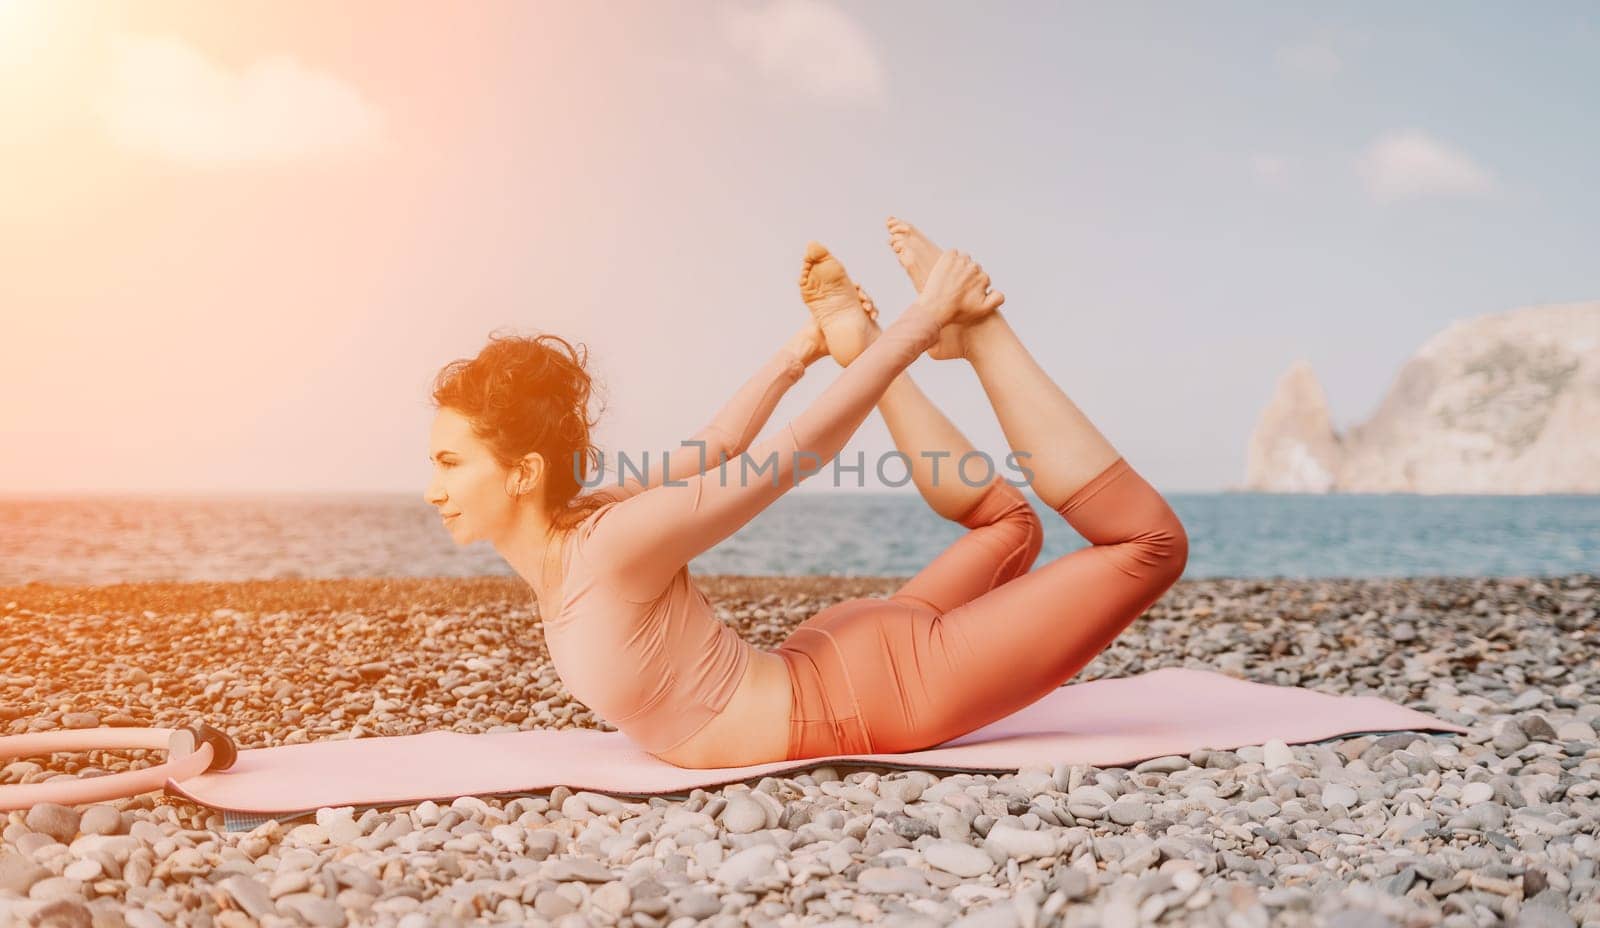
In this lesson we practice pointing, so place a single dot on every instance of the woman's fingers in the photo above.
(992, 301)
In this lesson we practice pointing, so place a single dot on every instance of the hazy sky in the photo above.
(237, 240)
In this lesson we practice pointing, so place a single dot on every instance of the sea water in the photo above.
(116, 539)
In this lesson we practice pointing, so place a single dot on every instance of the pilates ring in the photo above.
(191, 751)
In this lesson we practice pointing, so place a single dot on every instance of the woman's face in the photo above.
(469, 487)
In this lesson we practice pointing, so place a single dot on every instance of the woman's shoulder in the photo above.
(595, 560)
(597, 503)
(601, 501)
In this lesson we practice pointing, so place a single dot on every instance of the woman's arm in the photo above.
(731, 430)
(642, 542)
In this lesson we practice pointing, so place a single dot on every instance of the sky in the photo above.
(237, 241)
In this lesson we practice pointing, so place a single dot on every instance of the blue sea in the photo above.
(117, 539)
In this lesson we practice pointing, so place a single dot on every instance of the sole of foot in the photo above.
(841, 310)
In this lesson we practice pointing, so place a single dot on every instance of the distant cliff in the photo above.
(1502, 403)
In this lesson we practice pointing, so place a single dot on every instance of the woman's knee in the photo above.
(1176, 547)
(1031, 538)
(1161, 551)
(1019, 529)
(998, 502)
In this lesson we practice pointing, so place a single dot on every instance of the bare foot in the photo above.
(840, 309)
(918, 255)
(915, 253)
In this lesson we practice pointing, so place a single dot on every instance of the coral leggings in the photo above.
(975, 635)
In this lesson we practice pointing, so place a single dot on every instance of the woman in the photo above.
(970, 639)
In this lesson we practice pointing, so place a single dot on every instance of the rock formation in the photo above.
(1502, 403)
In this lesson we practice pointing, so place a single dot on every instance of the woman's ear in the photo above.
(529, 474)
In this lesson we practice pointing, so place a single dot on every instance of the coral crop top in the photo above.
(658, 670)
(633, 638)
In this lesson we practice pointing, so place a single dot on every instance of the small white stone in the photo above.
(84, 870)
(339, 824)
(1090, 794)
(139, 918)
(309, 834)
(1575, 731)
(612, 898)
(1474, 793)
(1119, 913)
(1339, 794)
(289, 881)
(1019, 843)
(52, 888)
(326, 815)
(743, 815)
(1185, 881)
(508, 835)
(963, 860)
(428, 813)
(599, 803)
(1275, 754)
(747, 864)
(470, 806)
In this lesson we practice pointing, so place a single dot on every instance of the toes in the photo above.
(815, 252)
(867, 306)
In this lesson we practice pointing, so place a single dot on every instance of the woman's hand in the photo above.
(957, 290)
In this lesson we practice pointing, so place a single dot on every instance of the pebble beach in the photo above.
(1407, 829)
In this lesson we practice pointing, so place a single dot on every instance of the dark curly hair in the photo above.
(524, 394)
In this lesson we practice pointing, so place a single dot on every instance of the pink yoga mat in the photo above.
(1103, 722)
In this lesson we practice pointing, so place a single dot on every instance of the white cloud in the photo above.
(1309, 60)
(1405, 163)
(170, 101)
(813, 46)
(1272, 170)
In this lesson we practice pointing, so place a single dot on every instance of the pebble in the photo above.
(18, 873)
(323, 913)
(1276, 754)
(252, 897)
(584, 869)
(1339, 794)
(59, 822)
(743, 815)
(891, 880)
(100, 820)
(963, 860)
(83, 870)
(1129, 812)
(1385, 828)
(52, 888)
(1019, 843)
(746, 865)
